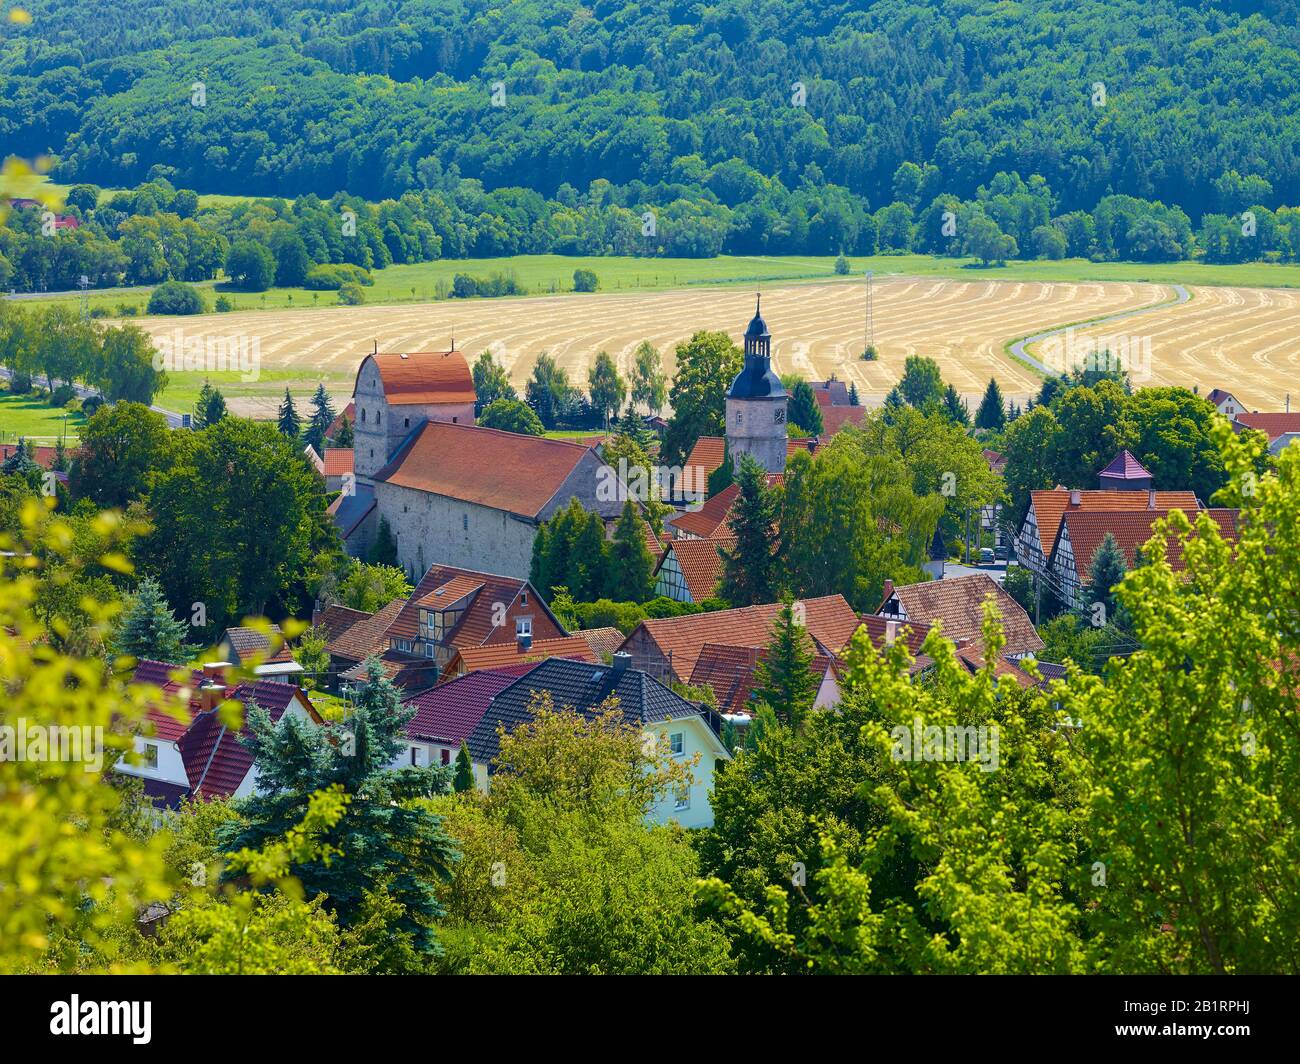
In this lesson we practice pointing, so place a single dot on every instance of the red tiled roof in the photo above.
(707, 454)
(729, 672)
(423, 377)
(706, 521)
(495, 655)
(957, 604)
(354, 635)
(450, 712)
(1051, 505)
(444, 595)
(249, 641)
(502, 470)
(1132, 530)
(834, 418)
(349, 412)
(42, 456)
(829, 620)
(338, 460)
(1274, 425)
(700, 563)
(408, 672)
(475, 627)
(602, 640)
(997, 462)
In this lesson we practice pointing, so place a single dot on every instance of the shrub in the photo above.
(174, 297)
(351, 294)
(869, 354)
(841, 265)
(99, 312)
(90, 404)
(463, 286)
(21, 383)
(223, 305)
(127, 310)
(330, 277)
(62, 395)
(585, 281)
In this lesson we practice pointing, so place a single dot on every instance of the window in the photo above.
(523, 627)
(415, 755)
(464, 522)
(523, 598)
(740, 417)
(676, 743)
(428, 650)
(446, 757)
(151, 754)
(363, 415)
(682, 799)
(455, 420)
(406, 422)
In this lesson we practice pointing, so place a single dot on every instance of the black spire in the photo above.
(756, 380)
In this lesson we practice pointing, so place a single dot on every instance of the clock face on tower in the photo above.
(780, 416)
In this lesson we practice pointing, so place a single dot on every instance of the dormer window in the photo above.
(523, 627)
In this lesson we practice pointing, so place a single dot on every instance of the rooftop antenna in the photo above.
(376, 350)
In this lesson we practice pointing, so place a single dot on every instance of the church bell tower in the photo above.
(756, 403)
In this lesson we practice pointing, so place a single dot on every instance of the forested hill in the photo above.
(381, 96)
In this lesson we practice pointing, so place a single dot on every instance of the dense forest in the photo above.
(1133, 131)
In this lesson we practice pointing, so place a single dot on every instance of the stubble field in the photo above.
(1245, 340)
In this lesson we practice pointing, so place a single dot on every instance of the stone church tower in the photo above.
(756, 403)
(396, 393)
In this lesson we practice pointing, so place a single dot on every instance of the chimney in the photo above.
(620, 661)
(211, 694)
(891, 632)
(889, 590)
(215, 671)
(1076, 497)
(1151, 499)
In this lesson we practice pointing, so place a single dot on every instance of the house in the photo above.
(690, 569)
(689, 731)
(1281, 429)
(351, 635)
(830, 394)
(604, 642)
(835, 418)
(406, 672)
(1037, 536)
(446, 716)
(667, 648)
(397, 392)
(730, 673)
(1125, 473)
(357, 518)
(1226, 403)
(265, 652)
(957, 606)
(453, 609)
(497, 655)
(186, 749)
(336, 468)
(1081, 534)
(463, 496)
(349, 412)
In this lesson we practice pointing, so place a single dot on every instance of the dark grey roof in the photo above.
(583, 687)
(756, 381)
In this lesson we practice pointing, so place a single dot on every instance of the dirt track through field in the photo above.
(1245, 340)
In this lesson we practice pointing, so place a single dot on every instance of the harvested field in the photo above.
(1240, 339)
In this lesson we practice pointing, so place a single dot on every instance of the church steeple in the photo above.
(756, 402)
(758, 341)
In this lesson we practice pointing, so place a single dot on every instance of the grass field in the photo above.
(32, 417)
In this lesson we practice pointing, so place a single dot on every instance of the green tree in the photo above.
(548, 391)
(649, 385)
(210, 408)
(954, 407)
(344, 436)
(1105, 571)
(783, 679)
(250, 266)
(384, 550)
(510, 415)
(388, 839)
(123, 447)
(749, 567)
(175, 297)
(1030, 447)
(992, 413)
(290, 424)
(585, 281)
(706, 366)
(804, 410)
(320, 420)
(149, 630)
(630, 572)
(368, 587)
(922, 384)
(490, 382)
(607, 388)
(464, 780)
(125, 366)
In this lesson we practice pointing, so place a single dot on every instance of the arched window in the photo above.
(363, 415)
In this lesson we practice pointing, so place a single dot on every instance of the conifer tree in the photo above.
(322, 417)
(384, 550)
(344, 437)
(853, 394)
(804, 410)
(386, 841)
(749, 568)
(783, 680)
(992, 413)
(1104, 573)
(955, 408)
(631, 565)
(210, 408)
(464, 780)
(149, 630)
(290, 423)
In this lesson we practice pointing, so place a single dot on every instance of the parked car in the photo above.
(986, 556)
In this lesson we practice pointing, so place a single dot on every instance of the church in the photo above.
(757, 403)
(452, 493)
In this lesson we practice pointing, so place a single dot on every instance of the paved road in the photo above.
(82, 392)
(1018, 348)
(998, 571)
